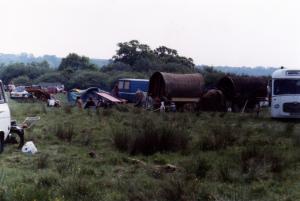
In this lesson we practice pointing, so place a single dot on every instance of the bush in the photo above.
(198, 166)
(107, 112)
(122, 108)
(257, 162)
(175, 187)
(289, 129)
(3, 193)
(47, 181)
(67, 109)
(86, 137)
(78, 189)
(173, 190)
(65, 132)
(219, 137)
(250, 159)
(65, 166)
(225, 170)
(42, 161)
(122, 139)
(149, 137)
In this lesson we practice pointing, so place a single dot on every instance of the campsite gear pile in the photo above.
(29, 148)
(53, 102)
(19, 131)
(99, 98)
(30, 121)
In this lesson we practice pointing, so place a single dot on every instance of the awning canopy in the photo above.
(109, 97)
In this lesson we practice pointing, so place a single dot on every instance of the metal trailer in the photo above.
(178, 88)
(128, 88)
(243, 92)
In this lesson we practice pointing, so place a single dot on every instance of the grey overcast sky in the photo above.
(212, 32)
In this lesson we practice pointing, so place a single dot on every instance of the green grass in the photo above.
(217, 156)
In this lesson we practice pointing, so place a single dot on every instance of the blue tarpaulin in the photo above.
(83, 94)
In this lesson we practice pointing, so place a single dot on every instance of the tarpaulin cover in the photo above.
(109, 97)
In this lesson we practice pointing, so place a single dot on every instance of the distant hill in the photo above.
(53, 60)
(253, 71)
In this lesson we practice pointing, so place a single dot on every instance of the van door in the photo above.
(4, 113)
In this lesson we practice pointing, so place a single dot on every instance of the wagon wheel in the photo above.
(1, 142)
(16, 136)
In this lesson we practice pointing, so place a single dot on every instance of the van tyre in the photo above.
(1, 142)
(16, 136)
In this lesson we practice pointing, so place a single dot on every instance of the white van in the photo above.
(285, 102)
(5, 121)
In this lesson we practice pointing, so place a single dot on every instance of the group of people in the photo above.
(158, 103)
(90, 103)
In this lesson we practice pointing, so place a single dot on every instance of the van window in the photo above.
(121, 84)
(2, 95)
(286, 86)
(127, 85)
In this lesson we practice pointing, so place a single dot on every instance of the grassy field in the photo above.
(126, 153)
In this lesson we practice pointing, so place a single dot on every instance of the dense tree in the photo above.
(163, 51)
(140, 57)
(22, 80)
(31, 70)
(117, 66)
(85, 79)
(74, 62)
(211, 75)
(54, 76)
(130, 52)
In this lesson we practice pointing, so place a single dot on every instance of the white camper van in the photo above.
(285, 91)
(5, 122)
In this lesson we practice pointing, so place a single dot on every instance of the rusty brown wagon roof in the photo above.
(176, 85)
(248, 87)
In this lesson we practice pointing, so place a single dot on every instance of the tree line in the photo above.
(132, 60)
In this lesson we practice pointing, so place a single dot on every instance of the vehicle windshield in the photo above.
(20, 89)
(2, 95)
(286, 86)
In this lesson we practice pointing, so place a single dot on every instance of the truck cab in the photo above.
(285, 94)
(5, 119)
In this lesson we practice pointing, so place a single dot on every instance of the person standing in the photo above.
(79, 102)
(90, 104)
(115, 91)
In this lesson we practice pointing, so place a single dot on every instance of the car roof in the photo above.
(286, 73)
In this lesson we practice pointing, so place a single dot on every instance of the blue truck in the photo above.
(128, 88)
